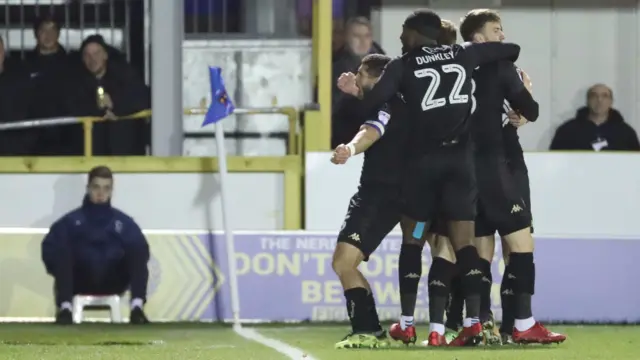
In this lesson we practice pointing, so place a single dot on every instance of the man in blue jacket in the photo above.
(98, 250)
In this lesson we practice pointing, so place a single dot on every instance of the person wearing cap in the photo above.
(97, 250)
(108, 87)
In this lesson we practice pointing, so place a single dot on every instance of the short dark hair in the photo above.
(592, 90)
(375, 63)
(102, 172)
(475, 20)
(425, 22)
(448, 33)
(41, 20)
(358, 20)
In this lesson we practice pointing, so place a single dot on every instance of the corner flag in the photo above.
(221, 105)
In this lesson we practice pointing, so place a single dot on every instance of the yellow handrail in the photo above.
(88, 121)
(290, 112)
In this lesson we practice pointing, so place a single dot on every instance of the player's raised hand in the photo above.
(341, 154)
(516, 119)
(347, 84)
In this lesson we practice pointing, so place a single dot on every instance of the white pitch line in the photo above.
(277, 345)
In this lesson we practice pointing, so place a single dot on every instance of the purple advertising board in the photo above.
(287, 276)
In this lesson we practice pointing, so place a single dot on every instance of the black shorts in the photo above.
(373, 212)
(521, 177)
(501, 204)
(441, 184)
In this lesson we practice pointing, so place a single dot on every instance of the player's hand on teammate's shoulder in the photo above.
(516, 119)
(341, 154)
(347, 84)
(526, 80)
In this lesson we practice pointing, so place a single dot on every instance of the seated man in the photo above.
(97, 250)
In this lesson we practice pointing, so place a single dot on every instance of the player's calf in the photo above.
(439, 287)
(486, 248)
(409, 273)
(455, 306)
(461, 235)
(522, 270)
(361, 307)
(507, 297)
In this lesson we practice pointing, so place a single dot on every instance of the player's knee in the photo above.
(346, 258)
(523, 270)
(505, 251)
(411, 241)
(440, 275)
(520, 241)
(461, 234)
(414, 232)
(442, 248)
(486, 247)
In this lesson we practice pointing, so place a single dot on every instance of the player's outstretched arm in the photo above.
(483, 53)
(369, 133)
(517, 93)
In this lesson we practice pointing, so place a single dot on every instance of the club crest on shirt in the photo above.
(118, 226)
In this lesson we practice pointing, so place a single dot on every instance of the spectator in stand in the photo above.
(108, 87)
(14, 95)
(358, 42)
(48, 67)
(596, 126)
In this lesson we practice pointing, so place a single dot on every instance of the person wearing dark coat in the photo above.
(108, 87)
(14, 104)
(596, 126)
(48, 68)
(97, 250)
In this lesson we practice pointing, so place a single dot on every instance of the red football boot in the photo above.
(407, 336)
(435, 339)
(537, 334)
(469, 336)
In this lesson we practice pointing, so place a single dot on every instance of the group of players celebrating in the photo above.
(443, 159)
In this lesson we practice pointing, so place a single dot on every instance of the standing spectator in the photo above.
(597, 126)
(109, 87)
(14, 94)
(358, 42)
(97, 249)
(48, 67)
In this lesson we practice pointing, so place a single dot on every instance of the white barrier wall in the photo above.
(572, 194)
(567, 46)
(155, 201)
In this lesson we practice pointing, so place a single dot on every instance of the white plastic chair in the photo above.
(82, 301)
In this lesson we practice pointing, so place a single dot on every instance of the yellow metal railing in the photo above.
(88, 121)
(289, 165)
(293, 147)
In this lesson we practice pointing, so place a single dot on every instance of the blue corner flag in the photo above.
(221, 106)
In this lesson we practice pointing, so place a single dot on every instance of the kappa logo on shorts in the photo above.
(437, 283)
(413, 276)
(354, 237)
(516, 209)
